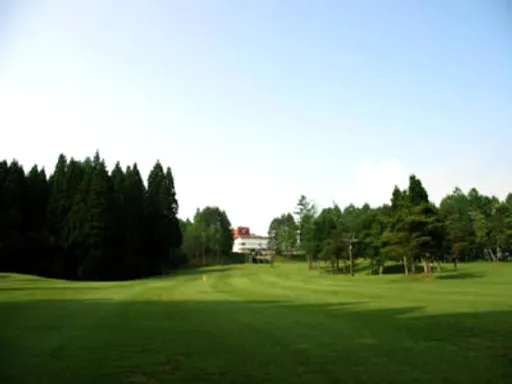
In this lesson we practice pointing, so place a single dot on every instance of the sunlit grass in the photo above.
(258, 324)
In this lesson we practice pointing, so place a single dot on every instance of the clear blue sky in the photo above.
(253, 103)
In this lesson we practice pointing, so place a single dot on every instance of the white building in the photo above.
(248, 243)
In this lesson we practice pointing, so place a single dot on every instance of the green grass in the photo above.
(257, 324)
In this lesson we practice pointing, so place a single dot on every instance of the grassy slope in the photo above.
(256, 324)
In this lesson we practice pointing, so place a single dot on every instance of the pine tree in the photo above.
(226, 235)
(421, 223)
(116, 247)
(98, 222)
(395, 240)
(134, 218)
(35, 243)
(76, 229)
(157, 204)
(463, 228)
(14, 198)
(38, 195)
(84, 223)
(172, 224)
(58, 206)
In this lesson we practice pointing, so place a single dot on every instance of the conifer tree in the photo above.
(157, 204)
(98, 221)
(134, 218)
(58, 207)
(175, 237)
(116, 244)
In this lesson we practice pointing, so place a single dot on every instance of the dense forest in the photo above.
(410, 230)
(86, 223)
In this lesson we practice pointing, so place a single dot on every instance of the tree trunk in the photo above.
(381, 269)
(333, 267)
(406, 267)
(310, 266)
(491, 253)
(344, 265)
(413, 265)
(351, 260)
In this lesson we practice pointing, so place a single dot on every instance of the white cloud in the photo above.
(373, 181)
(466, 173)
(370, 182)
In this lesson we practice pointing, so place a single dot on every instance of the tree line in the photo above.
(410, 230)
(86, 223)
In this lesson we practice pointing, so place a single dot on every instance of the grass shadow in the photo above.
(454, 275)
(199, 271)
(61, 287)
(7, 279)
(393, 269)
(85, 341)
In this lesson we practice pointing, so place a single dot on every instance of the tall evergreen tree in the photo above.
(395, 240)
(158, 207)
(174, 235)
(86, 223)
(117, 246)
(98, 224)
(38, 194)
(421, 223)
(135, 220)
(14, 217)
(58, 206)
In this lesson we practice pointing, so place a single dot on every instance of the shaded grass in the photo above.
(461, 275)
(202, 271)
(257, 324)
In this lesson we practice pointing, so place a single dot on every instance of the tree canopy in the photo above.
(410, 230)
(86, 222)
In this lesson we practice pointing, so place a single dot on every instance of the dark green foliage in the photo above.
(162, 228)
(305, 213)
(84, 223)
(208, 239)
(133, 192)
(282, 234)
(410, 230)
